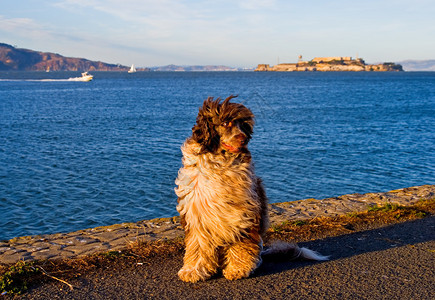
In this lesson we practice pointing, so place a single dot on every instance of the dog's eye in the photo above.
(227, 124)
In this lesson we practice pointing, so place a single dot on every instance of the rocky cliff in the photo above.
(17, 59)
(326, 64)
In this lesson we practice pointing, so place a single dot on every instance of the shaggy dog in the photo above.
(222, 203)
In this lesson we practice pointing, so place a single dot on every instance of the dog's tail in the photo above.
(291, 251)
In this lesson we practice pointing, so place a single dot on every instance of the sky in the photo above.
(236, 33)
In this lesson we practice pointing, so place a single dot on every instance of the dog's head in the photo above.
(223, 126)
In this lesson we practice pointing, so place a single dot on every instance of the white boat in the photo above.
(132, 69)
(85, 77)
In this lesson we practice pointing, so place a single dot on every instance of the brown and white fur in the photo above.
(222, 203)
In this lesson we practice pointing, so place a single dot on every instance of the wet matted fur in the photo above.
(222, 203)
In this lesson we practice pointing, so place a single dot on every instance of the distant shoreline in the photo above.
(194, 71)
(16, 59)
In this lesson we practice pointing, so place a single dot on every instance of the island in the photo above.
(327, 64)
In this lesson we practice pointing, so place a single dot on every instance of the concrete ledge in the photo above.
(118, 236)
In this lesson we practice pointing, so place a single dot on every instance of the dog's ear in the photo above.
(204, 131)
(248, 127)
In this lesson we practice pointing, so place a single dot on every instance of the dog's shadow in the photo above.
(344, 246)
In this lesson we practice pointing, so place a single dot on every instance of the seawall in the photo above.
(117, 237)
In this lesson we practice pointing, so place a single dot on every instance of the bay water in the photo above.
(76, 155)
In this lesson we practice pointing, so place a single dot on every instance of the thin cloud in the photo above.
(23, 26)
(257, 4)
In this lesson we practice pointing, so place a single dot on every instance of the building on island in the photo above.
(324, 64)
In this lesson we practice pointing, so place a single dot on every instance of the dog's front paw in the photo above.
(236, 273)
(192, 275)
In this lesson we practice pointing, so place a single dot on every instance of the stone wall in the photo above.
(119, 236)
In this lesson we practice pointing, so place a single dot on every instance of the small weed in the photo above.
(388, 207)
(112, 254)
(398, 211)
(276, 228)
(352, 215)
(300, 222)
(421, 214)
(15, 280)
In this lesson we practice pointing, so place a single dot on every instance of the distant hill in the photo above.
(208, 68)
(418, 65)
(17, 59)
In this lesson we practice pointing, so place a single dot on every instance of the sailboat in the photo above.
(132, 69)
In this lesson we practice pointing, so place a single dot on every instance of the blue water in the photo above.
(75, 155)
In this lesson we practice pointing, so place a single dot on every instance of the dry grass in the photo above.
(374, 217)
(145, 249)
(15, 279)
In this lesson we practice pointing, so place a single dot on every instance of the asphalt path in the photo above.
(392, 262)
